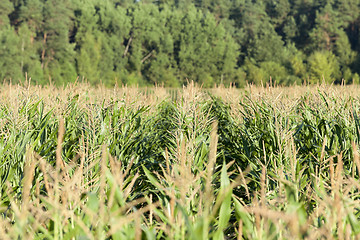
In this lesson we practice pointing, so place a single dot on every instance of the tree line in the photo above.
(171, 42)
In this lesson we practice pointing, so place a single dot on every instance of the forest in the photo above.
(171, 42)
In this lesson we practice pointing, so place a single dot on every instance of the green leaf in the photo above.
(152, 179)
(225, 208)
(354, 222)
(244, 216)
(93, 202)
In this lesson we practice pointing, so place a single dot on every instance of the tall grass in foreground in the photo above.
(259, 163)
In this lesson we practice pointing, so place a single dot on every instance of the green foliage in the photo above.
(323, 66)
(128, 167)
(6, 7)
(170, 42)
(11, 66)
(190, 165)
(206, 52)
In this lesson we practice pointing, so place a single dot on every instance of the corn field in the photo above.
(128, 163)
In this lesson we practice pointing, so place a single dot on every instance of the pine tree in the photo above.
(145, 34)
(6, 7)
(31, 14)
(57, 55)
(323, 65)
(10, 68)
(258, 38)
(30, 24)
(277, 10)
(162, 68)
(29, 55)
(204, 49)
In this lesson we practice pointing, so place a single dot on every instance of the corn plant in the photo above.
(126, 163)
